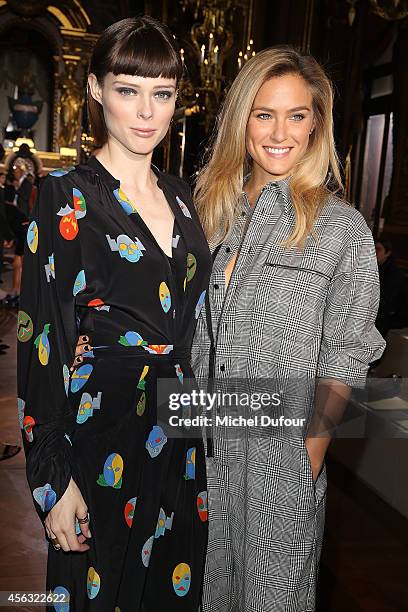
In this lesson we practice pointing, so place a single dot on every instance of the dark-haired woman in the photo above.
(110, 252)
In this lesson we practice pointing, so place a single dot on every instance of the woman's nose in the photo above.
(279, 131)
(144, 110)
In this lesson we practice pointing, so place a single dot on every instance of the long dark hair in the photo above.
(139, 46)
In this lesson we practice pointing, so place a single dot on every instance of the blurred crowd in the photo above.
(18, 193)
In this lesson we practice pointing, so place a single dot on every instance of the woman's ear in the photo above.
(94, 89)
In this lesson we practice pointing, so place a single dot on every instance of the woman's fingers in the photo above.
(82, 515)
(74, 543)
(81, 538)
(69, 541)
(82, 345)
(62, 541)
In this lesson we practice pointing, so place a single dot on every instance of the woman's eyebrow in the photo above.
(272, 110)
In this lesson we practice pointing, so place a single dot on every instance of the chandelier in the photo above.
(390, 9)
(213, 35)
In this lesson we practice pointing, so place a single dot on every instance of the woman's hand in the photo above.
(82, 346)
(60, 522)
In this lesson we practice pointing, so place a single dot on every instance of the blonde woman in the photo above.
(291, 308)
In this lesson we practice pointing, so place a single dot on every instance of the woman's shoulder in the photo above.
(342, 216)
(176, 183)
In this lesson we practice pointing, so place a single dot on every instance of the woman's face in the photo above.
(279, 127)
(137, 110)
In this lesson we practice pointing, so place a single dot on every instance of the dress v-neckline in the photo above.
(156, 172)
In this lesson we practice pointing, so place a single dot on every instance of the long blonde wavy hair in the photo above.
(220, 181)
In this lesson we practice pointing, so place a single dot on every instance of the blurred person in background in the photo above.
(18, 224)
(393, 308)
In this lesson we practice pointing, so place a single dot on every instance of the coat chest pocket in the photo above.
(289, 302)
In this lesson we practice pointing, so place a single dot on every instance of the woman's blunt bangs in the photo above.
(140, 46)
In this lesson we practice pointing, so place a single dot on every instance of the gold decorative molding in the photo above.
(62, 18)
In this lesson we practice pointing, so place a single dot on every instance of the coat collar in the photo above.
(280, 188)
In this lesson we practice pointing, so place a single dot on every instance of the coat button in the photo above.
(216, 286)
(228, 250)
(222, 368)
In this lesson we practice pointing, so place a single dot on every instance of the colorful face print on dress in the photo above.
(183, 207)
(163, 523)
(68, 439)
(130, 510)
(61, 171)
(165, 298)
(124, 201)
(45, 497)
(79, 203)
(43, 345)
(200, 304)
(28, 425)
(68, 226)
(65, 376)
(98, 304)
(128, 249)
(179, 372)
(158, 349)
(25, 327)
(50, 268)
(141, 405)
(62, 594)
(156, 440)
(77, 527)
(112, 472)
(142, 383)
(32, 237)
(190, 464)
(20, 408)
(132, 338)
(80, 377)
(202, 505)
(147, 551)
(93, 583)
(181, 579)
(87, 406)
(80, 283)
(191, 266)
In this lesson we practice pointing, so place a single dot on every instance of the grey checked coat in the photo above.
(288, 317)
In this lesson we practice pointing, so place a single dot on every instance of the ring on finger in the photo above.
(84, 520)
(55, 543)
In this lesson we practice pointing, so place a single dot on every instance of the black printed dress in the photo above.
(93, 267)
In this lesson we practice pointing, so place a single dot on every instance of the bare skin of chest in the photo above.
(152, 206)
(229, 269)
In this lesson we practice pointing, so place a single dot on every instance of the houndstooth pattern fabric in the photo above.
(288, 317)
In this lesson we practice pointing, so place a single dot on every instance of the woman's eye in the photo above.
(263, 116)
(298, 117)
(126, 91)
(164, 95)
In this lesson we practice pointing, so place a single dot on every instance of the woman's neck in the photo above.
(257, 182)
(129, 168)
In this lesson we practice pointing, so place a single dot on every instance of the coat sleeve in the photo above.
(47, 335)
(350, 341)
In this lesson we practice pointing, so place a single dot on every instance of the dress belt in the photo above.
(176, 354)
